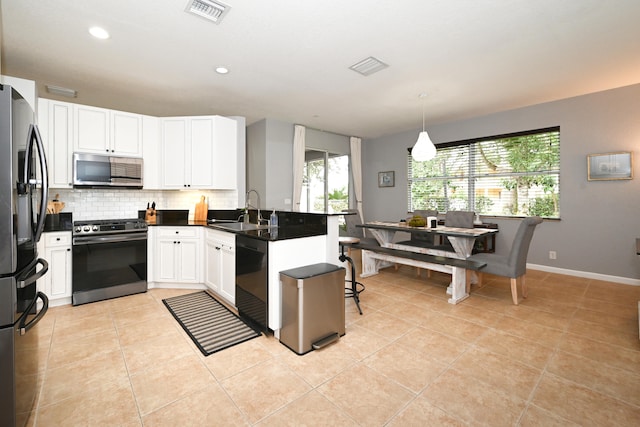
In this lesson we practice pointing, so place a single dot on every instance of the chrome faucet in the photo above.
(248, 205)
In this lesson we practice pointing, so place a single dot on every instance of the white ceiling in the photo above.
(289, 59)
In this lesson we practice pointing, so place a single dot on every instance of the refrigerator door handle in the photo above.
(34, 137)
(22, 283)
(23, 327)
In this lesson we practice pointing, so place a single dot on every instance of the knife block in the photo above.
(150, 216)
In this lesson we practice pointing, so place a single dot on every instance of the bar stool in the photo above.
(356, 287)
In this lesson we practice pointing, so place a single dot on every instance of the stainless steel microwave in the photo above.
(95, 170)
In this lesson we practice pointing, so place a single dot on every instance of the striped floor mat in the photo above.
(211, 325)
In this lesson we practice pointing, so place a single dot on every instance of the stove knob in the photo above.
(135, 225)
(78, 229)
(95, 228)
(86, 228)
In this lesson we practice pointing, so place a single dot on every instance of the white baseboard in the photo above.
(585, 274)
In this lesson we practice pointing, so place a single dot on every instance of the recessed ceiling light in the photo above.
(99, 33)
(222, 70)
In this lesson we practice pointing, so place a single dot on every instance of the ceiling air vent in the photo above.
(208, 9)
(368, 66)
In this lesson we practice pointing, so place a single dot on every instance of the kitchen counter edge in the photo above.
(282, 233)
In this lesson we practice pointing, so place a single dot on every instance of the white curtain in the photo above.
(356, 170)
(298, 165)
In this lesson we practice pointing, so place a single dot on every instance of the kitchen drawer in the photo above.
(57, 238)
(183, 232)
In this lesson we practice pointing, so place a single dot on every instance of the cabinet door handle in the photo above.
(57, 239)
(69, 250)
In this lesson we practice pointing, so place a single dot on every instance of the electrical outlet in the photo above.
(552, 254)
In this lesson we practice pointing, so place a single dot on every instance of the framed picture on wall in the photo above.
(386, 179)
(609, 166)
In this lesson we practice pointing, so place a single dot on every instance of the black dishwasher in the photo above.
(252, 280)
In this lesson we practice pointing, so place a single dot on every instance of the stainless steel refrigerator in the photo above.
(23, 203)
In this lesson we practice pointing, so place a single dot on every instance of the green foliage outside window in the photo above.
(512, 175)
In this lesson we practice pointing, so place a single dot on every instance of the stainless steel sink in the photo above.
(241, 226)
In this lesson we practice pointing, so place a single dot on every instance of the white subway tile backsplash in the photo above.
(88, 204)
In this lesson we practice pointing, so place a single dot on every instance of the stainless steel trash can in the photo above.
(312, 306)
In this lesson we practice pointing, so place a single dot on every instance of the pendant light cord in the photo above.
(423, 96)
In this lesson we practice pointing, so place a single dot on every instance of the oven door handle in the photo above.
(23, 327)
(23, 283)
(107, 239)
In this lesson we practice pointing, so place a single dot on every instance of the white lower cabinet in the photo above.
(55, 248)
(220, 263)
(177, 254)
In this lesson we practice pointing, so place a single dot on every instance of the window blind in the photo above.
(506, 175)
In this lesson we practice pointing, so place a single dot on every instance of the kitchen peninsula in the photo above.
(202, 254)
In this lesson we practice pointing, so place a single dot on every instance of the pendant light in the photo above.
(423, 149)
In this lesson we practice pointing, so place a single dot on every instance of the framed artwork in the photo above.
(609, 166)
(386, 179)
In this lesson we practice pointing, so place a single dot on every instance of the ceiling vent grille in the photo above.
(208, 9)
(368, 66)
(62, 91)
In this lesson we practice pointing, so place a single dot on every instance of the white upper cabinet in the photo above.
(55, 120)
(225, 154)
(151, 152)
(199, 166)
(126, 133)
(91, 129)
(199, 152)
(174, 145)
(103, 131)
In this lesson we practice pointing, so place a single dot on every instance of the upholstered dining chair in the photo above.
(460, 219)
(513, 265)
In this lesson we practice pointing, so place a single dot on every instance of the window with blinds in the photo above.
(506, 175)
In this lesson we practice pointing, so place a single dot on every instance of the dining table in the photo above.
(462, 242)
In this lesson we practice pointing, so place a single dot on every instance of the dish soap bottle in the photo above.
(273, 218)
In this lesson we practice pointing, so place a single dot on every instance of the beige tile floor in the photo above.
(567, 355)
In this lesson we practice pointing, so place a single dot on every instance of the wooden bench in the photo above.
(375, 257)
(427, 258)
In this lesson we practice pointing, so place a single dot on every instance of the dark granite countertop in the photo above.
(62, 221)
(293, 225)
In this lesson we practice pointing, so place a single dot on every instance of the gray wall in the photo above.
(256, 163)
(599, 220)
(327, 141)
(270, 159)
